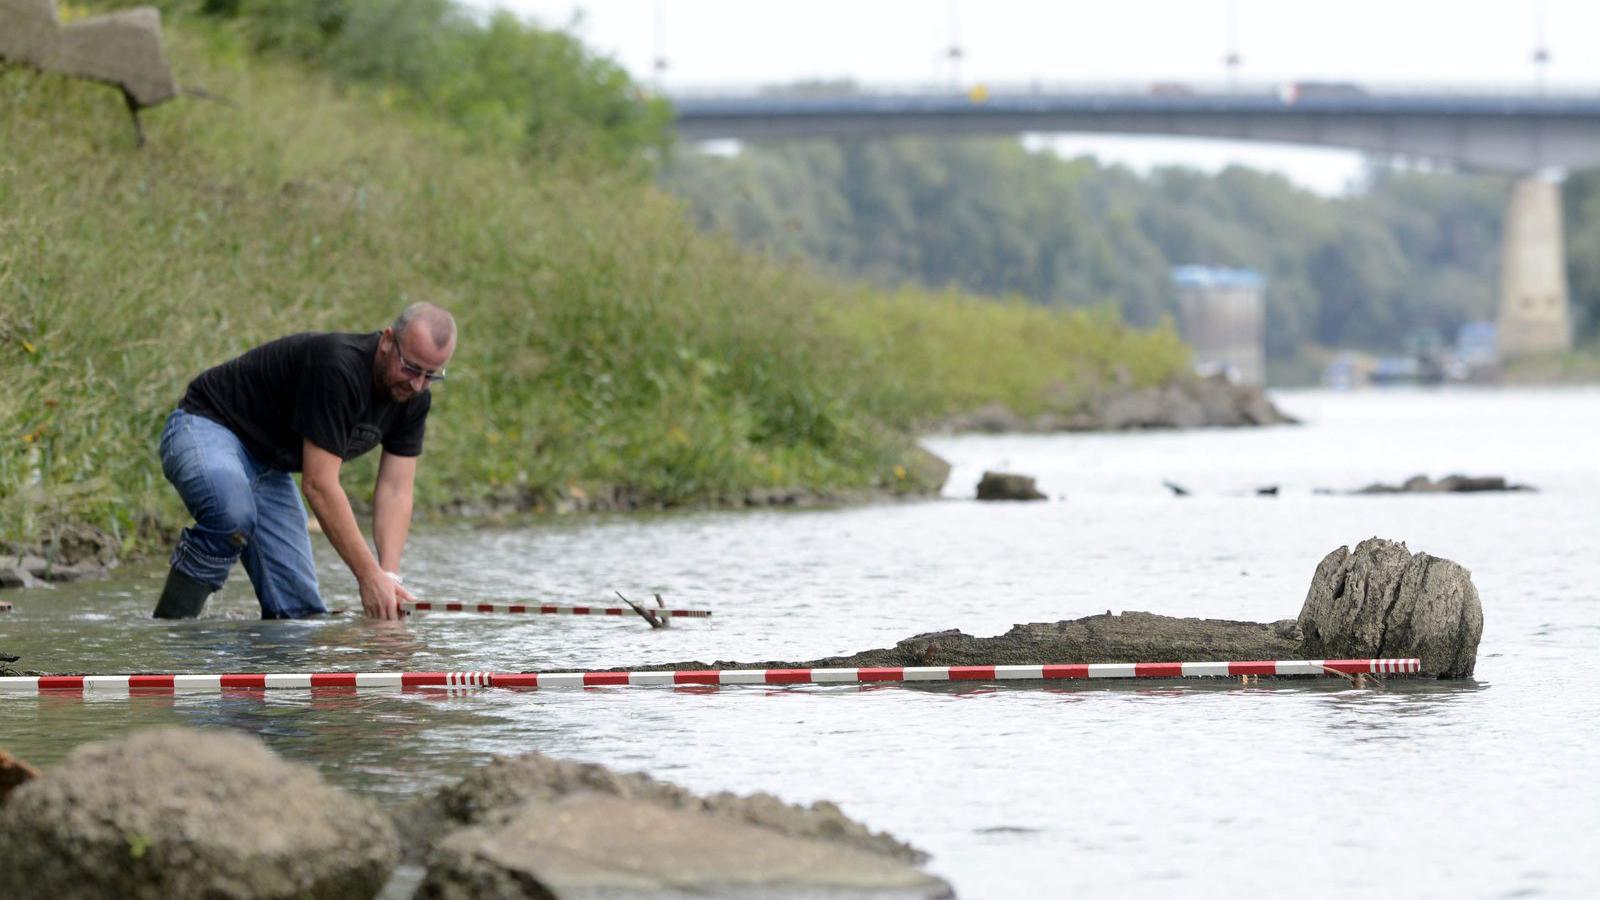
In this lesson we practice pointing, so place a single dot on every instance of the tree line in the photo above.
(1408, 254)
(504, 80)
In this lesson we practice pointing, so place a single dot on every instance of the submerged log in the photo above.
(1378, 601)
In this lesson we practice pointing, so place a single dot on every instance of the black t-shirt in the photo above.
(317, 386)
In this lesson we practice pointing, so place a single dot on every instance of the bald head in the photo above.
(413, 351)
(440, 325)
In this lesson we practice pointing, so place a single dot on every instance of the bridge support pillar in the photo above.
(1533, 314)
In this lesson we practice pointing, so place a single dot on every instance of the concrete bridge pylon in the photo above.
(1533, 316)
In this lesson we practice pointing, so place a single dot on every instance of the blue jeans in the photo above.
(242, 510)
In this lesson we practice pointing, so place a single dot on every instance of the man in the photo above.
(304, 403)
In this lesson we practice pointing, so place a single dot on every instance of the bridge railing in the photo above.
(1283, 89)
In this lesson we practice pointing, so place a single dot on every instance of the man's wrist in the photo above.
(396, 577)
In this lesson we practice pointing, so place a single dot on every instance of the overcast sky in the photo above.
(745, 43)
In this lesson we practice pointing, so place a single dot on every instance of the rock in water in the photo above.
(509, 782)
(535, 827)
(1384, 601)
(596, 845)
(1003, 486)
(177, 812)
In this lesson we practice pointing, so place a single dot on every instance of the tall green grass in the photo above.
(603, 341)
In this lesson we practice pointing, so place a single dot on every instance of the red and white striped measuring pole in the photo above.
(216, 683)
(532, 609)
(549, 609)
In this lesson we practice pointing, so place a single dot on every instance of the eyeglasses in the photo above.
(412, 371)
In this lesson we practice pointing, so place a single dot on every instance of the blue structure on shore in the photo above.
(1221, 315)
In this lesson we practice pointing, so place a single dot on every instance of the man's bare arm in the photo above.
(391, 508)
(319, 482)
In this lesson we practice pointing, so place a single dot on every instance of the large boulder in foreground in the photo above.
(596, 845)
(507, 782)
(533, 826)
(1384, 601)
(177, 812)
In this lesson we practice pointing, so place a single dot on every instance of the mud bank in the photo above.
(1379, 600)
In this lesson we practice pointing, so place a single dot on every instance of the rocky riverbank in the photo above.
(177, 813)
(1379, 600)
(1191, 402)
(1450, 484)
(68, 553)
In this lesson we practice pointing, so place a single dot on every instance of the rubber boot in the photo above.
(182, 598)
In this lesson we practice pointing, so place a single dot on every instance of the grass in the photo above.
(603, 341)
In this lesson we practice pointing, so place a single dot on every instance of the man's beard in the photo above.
(400, 392)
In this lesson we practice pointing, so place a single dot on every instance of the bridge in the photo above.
(1533, 136)
(1500, 132)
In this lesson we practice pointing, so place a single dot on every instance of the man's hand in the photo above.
(380, 597)
(401, 595)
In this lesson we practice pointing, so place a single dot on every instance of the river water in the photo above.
(1485, 788)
